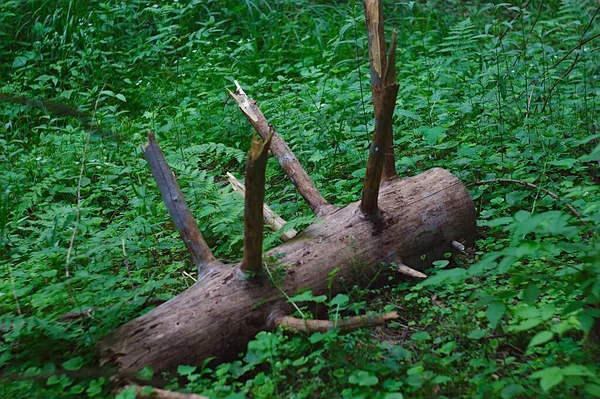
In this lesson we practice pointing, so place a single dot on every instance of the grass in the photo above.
(487, 91)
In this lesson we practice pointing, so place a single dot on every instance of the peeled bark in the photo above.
(420, 218)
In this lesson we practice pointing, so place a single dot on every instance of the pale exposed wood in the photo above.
(220, 313)
(376, 39)
(409, 271)
(256, 165)
(458, 246)
(178, 208)
(155, 393)
(283, 153)
(272, 219)
(343, 326)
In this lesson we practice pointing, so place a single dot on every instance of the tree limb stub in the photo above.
(389, 79)
(381, 163)
(343, 326)
(284, 154)
(409, 271)
(256, 165)
(180, 213)
(271, 217)
(221, 312)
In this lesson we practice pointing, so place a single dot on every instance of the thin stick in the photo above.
(78, 195)
(409, 271)
(343, 326)
(531, 185)
(126, 261)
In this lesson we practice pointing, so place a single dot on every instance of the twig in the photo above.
(127, 265)
(186, 274)
(572, 66)
(78, 195)
(530, 185)
(409, 271)
(343, 326)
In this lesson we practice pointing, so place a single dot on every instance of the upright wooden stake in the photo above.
(384, 89)
(256, 165)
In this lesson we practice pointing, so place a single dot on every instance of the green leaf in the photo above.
(549, 377)
(20, 61)
(593, 389)
(121, 97)
(393, 395)
(339, 300)
(186, 370)
(73, 364)
(145, 374)
(541, 338)
(420, 336)
(477, 334)
(494, 313)
(512, 390)
(49, 273)
(531, 294)
(432, 135)
(579, 370)
(363, 378)
(127, 393)
(454, 275)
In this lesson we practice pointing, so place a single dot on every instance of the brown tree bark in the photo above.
(256, 165)
(180, 213)
(420, 217)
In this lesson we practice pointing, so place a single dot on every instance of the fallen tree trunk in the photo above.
(420, 218)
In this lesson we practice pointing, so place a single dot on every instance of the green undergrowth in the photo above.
(487, 90)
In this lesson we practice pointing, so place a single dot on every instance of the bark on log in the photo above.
(421, 215)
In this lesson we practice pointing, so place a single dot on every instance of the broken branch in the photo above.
(256, 165)
(384, 88)
(343, 326)
(173, 198)
(409, 271)
(283, 153)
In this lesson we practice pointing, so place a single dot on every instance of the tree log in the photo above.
(420, 217)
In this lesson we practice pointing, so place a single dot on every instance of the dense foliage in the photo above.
(487, 91)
